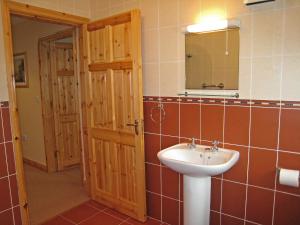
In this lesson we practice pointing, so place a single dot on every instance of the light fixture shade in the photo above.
(211, 26)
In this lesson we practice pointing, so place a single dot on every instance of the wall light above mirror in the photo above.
(212, 55)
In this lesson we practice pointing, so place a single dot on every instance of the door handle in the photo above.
(135, 125)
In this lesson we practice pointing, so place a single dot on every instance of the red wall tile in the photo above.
(170, 183)
(170, 122)
(9, 199)
(262, 167)
(233, 199)
(228, 220)
(239, 171)
(237, 121)
(153, 177)
(214, 218)
(289, 130)
(190, 120)
(260, 205)
(152, 147)
(286, 209)
(154, 205)
(215, 194)
(170, 211)
(212, 122)
(150, 125)
(264, 127)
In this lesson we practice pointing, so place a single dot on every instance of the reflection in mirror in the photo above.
(212, 60)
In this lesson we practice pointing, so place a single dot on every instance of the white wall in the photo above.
(270, 43)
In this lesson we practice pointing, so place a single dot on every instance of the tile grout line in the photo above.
(280, 112)
(7, 169)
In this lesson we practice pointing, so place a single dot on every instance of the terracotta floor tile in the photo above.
(116, 214)
(148, 222)
(102, 219)
(80, 213)
(96, 205)
(57, 221)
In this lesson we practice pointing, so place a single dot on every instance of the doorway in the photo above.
(47, 93)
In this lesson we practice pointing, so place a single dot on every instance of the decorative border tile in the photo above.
(229, 102)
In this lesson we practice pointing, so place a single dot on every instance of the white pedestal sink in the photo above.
(197, 165)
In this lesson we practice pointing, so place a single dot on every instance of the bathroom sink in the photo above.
(199, 161)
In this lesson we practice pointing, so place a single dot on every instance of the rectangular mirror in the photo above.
(212, 60)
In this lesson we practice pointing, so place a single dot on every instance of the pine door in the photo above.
(115, 113)
(65, 101)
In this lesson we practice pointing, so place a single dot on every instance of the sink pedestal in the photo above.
(196, 200)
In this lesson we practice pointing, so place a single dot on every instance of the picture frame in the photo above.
(20, 70)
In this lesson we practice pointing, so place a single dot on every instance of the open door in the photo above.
(114, 102)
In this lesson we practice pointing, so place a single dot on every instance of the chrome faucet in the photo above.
(193, 144)
(214, 148)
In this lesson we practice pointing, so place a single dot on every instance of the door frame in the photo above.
(14, 8)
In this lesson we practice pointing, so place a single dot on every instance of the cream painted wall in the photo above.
(77, 7)
(270, 43)
(25, 39)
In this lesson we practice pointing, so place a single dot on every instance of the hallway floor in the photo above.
(92, 213)
(50, 194)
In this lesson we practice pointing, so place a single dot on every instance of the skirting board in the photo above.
(35, 164)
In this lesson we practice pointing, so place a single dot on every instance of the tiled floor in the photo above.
(92, 213)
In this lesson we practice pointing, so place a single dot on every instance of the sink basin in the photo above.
(197, 165)
(198, 161)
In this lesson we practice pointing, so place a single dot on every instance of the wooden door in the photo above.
(115, 113)
(65, 105)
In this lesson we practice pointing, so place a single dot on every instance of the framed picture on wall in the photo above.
(20, 70)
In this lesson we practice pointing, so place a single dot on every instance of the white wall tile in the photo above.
(151, 79)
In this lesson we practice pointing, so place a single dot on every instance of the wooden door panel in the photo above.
(102, 99)
(98, 50)
(121, 35)
(64, 57)
(123, 92)
(66, 95)
(115, 113)
(71, 150)
(127, 174)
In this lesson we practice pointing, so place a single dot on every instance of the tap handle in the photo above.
(215, 143)
(193, 140)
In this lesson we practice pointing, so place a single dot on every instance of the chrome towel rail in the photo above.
(236, 95)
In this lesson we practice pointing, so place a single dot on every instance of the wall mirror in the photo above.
(212, 60)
